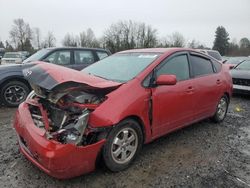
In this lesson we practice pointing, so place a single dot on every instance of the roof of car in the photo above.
(76, 48)
(156, 50)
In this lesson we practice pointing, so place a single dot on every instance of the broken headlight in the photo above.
(73, 132)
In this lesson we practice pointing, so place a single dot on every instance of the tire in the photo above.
(123, 145)
(13, 93)
(221, 110)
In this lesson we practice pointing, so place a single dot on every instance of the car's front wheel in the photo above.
(13, 93)
(123, 144)
(221, 110)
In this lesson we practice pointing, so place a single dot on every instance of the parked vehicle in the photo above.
(25, 54)
(115, 105)
(12, 58)
(214, 53)
(234, 61)
(241, 77)
(2, 51)
(14, 87)
(75, 58)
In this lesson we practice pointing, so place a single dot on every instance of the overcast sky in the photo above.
(195, 19)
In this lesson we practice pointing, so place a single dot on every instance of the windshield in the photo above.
(36, 56)
(245, 65)
(235, 60)
(12, 55)
(121, 67)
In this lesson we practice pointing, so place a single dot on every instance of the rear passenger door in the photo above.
(208, 86)
(82, 59)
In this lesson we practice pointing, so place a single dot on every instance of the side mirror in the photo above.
(166, 80)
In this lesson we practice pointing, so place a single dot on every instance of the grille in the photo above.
(243, 82)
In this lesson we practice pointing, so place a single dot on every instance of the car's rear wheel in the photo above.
(123, 144)
(13, 93)
(221, 110)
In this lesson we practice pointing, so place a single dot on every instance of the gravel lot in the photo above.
(202, 155)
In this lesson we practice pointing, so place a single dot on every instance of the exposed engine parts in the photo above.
(67, 120)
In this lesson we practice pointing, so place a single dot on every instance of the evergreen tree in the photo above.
(1, 44)
(221, 42)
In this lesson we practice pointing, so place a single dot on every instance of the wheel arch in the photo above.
(15, 78)
(140, 122)
(227, 95)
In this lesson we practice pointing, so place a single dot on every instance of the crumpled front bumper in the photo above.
(58, 160)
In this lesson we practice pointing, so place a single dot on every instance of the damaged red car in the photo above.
(113, 107)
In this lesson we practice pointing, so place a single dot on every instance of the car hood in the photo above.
(53, 77)
(10, 67)
(243, 74)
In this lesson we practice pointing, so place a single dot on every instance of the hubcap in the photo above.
(124, 145)
(222, 108)
(15, 94)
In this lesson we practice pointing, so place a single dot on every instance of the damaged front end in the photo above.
(64, 112)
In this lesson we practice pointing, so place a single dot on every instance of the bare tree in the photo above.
(244, 43)
(49, 41)
(176, 40)
(128, 34)
(37, 37)
(20, 33)
(88, 39)
(70, 40)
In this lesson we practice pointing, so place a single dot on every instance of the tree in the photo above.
(37, 38)
(8, 46)
(1, 44)
(244, 43)
(20, 33)
(176, 40)
(221, 42)
(70, 40)
(49, 41)
(128, 35)
(88, 39)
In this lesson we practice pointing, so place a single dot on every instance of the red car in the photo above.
(116, 105)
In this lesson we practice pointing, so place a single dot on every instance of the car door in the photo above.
(82, 59)
(59, 57)
(172, 106)
(208, 86)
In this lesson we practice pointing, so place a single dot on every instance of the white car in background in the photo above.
(12, 58)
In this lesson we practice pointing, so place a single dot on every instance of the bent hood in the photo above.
(51, 77)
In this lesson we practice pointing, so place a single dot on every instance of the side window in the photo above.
(83, 57)
(59, 58)
(178, 66)
(217, 66)
(101, 55)
(201, 66)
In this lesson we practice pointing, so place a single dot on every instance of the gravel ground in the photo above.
(202, 155)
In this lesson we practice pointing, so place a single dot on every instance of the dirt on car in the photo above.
(204, 154)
